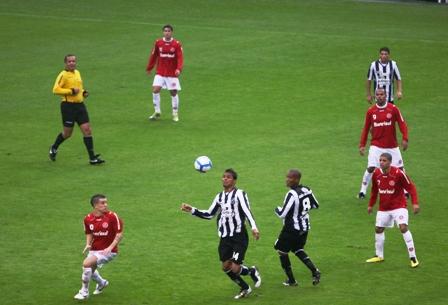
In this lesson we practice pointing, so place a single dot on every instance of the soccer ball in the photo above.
(203, 164)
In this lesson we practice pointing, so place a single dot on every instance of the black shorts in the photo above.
(233, 248)
(291, 240)
(74, 112)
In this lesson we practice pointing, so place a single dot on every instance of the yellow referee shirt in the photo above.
(64, 83)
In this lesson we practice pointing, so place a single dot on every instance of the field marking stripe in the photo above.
(213, 27)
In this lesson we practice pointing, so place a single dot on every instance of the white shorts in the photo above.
(386, 219)
(375, 153)
(170, 83)
(101, 258)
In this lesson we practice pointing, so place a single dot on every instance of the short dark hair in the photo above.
(232, 172)
(67, 56)
(385, 49)
(296, 173)
(388, 156)
(380, 89)
(168, 26)
(95, 198)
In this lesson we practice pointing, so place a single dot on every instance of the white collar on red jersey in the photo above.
(163, 38)
(381, 107)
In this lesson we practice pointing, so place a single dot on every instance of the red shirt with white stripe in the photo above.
(169, 57)
(391, 188)
(104, 228)
(380, 120)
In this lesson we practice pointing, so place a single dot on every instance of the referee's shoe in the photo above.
(96, 160)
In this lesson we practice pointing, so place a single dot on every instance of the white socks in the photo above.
(86, 276)
(365, 181)
(409, 243)
(97, 277)
(156, 102)
(379, 244)
(175, 103)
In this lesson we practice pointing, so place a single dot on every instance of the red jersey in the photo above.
(381, 122)
(168, 56)
(104, 228)
(391, 188)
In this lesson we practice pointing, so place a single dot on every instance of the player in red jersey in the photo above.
(390, 182)
(380, 121)
(168, 55)
(104, 231)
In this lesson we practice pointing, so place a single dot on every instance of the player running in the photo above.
(390, 182)
(233, 209)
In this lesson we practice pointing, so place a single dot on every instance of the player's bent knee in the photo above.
(86, 130)
(403, 228)
(90, 262)
(226, 266)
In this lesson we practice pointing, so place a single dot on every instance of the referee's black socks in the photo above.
(88, 142)
(59, 139)
(286, 265)
(301, 254)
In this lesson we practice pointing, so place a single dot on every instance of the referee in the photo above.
(232, 207)
(298, 202)
(69, 86)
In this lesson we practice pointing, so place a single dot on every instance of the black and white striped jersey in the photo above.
(383, 76)
(233, 209)
(295, 208)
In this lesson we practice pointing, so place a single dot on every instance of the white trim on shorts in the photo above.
(375, 153)
(387, 219)
(101, 258)
(166, 82)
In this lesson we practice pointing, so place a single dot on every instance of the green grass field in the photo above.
(267, 85)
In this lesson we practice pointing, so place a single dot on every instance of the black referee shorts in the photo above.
(291, 240)
(233, 248)
(74, 112)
